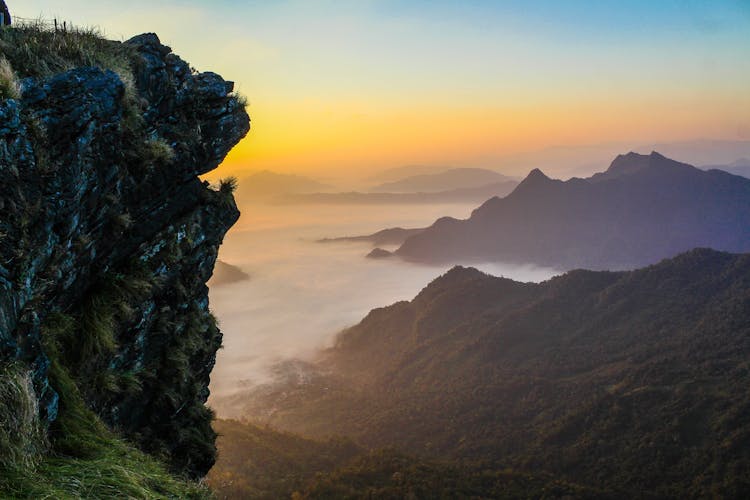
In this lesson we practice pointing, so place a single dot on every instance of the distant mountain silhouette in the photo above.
(266, 184)
(743, 171)
(379, 253)
(391, 236)
(464, 195)
(584, 160)
(737, 167)
(642, 209)
(456, 178)
(398, 173)
(225, 274)
(633, 381)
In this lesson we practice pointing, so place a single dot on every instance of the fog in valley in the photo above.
(301, 293)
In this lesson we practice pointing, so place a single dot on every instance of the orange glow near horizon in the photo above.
(337, 88)
(312, 138)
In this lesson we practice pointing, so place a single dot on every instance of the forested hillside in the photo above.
(631, 381)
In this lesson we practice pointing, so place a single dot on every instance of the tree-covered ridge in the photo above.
(261, 463)
(389, 474)
(631, 381)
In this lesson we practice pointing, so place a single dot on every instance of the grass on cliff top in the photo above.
(22, 438)
(85, 460)
(89, 461)
(36, 50)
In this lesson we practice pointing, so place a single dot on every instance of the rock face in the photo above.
(108, 236)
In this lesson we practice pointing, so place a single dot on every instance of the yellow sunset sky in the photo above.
(335, 87)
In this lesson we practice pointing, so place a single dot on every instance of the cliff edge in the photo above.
(107, 238)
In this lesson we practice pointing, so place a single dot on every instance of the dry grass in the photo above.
(22, 438)
(241, 99)
(87, 461)
(228, 185)
(9, 86)
(35, 50)
(158, 151)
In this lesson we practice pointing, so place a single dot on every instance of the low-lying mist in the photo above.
(302, 293)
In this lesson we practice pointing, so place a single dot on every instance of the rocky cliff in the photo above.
(108, 236)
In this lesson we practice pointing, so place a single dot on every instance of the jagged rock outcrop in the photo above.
(108, 236)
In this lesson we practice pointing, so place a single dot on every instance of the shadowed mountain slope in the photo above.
(631, 381)
(642, 209)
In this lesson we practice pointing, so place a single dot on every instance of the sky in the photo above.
(341, 86)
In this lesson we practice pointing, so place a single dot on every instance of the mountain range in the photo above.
(265, 184)
(634, 382)
(390, 236)
(443, 187)
(461, 195)
(455, 178)
(642, 209)
(567, 161)
(397, 173)
(737, 167)
(583, 160)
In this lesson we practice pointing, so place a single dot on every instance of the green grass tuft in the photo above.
(91, 335)
(22, 438)
(83, 458)
(89, 461)
(228, 185)
(35, 50)
(241, 100)
(38, 51)
(159, 151)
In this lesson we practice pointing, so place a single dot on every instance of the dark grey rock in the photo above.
(85, 203)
